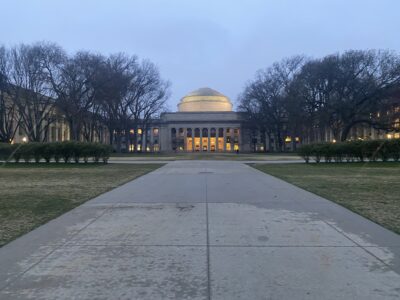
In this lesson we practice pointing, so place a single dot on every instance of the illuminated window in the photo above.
(155, 131)
(139, 131)
(288, 139)
(139, 147)
(235, 147)
(228, 146)
(297, 139)
(131, 131)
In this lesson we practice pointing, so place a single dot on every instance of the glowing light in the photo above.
(297, 139)
(288, 139)
(131, 131)
(389, 136)
(333, 141)
(24, 139)
(139, 131)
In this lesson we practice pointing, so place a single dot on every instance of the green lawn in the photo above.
(206, 156)
(33, 194)
(369, 189)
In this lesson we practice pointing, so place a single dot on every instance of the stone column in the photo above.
(224, 139)
(201, 139)
(216, 139)
(209, 136)
(192, 139)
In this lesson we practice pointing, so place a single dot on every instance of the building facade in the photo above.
(204, 122)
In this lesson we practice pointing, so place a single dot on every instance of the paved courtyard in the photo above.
(204, 230)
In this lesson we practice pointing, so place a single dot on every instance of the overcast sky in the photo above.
(208, 43)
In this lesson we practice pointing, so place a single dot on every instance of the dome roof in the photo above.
(204, 99)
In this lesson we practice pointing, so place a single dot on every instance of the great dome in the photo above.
(206, 100)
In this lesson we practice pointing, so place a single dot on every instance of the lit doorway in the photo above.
(204, 143)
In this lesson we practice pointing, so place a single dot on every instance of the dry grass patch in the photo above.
(369, 189)
(33, 194)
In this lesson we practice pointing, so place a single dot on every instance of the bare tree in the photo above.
(75, 82)
(31, 89)
(264, 99)
(349, 89)
(9, 119)
(147, 95)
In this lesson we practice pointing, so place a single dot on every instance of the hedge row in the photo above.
(60, 151)
(352, 151)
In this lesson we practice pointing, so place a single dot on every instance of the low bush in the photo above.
(353, 150)
(58, 151)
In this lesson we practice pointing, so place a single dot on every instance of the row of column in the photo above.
(217, 136)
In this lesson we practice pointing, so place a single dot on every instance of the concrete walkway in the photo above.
(204, 230)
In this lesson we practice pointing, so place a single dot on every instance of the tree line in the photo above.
(303, 97)
(91, 90)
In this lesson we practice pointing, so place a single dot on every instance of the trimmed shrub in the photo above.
(353, 150)
(305, 151)
(318, 151)
(67, 150)
(59, 151)
(106, 151)
(47, 151)
(5, 151)
(26, 151)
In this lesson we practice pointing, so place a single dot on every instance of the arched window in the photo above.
(189, 132)
(180, 132)
(220, 132)
(213, 132)
(197, 132)
(205, 132)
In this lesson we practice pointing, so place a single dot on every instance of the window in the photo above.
(205, 132)
(173, 132)
(213, 132)
(189, 132)
(220, 132)
(155, 131)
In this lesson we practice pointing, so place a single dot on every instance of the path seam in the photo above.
(17, 276)
(208, 247)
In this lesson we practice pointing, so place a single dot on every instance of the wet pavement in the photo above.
(204, 230)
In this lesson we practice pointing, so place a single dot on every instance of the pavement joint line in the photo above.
(212, 246)
(17, 276)
(362, 247)
(208, 244)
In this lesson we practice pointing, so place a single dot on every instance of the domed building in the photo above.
(204, 100)
(205, 122)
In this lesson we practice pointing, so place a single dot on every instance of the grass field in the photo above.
(369, 189)
(33, 194)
